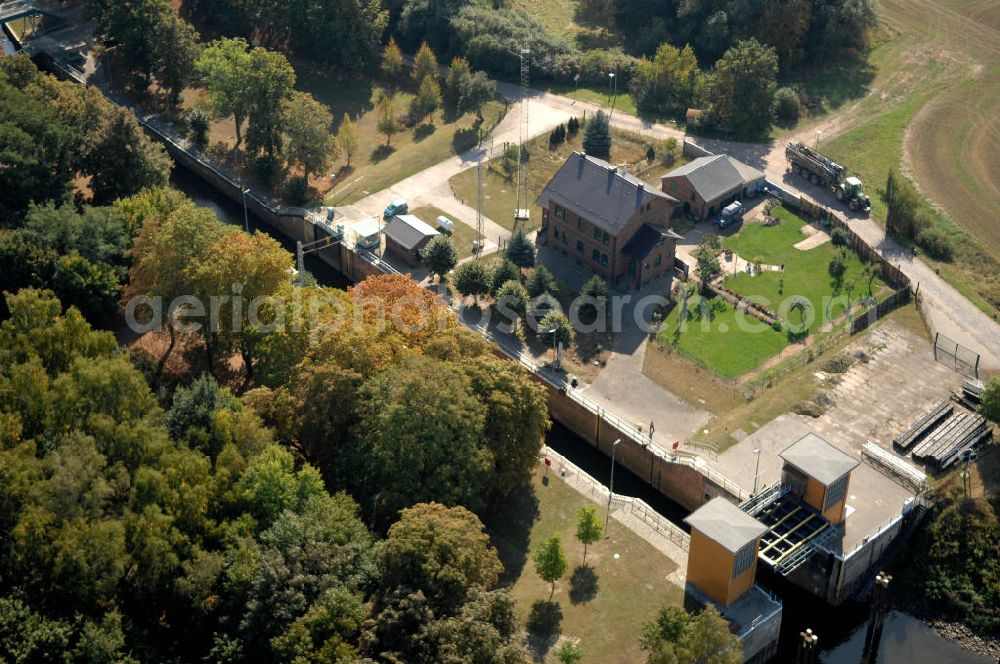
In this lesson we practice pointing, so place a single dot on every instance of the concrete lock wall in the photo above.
(680, 483)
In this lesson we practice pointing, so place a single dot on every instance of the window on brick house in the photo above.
(597, 233)
(604, 238)
(579, 246)
(596, 256)
(659, 259)
(604, 259)
(560, 212)
(673, 185)
(580, 224)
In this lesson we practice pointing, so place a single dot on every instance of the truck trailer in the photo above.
(821, 170)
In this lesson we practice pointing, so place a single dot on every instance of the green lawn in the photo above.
(629, 589)
(462, 236)
(717, 338)
(500, 193)
(805, 274)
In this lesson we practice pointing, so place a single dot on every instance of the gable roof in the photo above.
(716, 175)
(819, 459)
(726, 524)
(407, 231)
(647, 238)
(599, 192)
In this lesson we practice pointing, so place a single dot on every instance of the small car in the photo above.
(399, 206)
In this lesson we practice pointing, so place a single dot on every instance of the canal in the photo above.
(841, 629)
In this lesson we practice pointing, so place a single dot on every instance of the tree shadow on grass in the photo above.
(465, 139)
(544, 626)
(509, 521)
(583, 584)
(423, 131)
(381, 153)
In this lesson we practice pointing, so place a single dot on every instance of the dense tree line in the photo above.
(53, 132)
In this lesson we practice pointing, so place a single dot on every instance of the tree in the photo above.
(516, 419)
(440, 256)
(388, 123)
(123, 161)
(177, 49)
(256, 268)
(270, 81)
(423, 437)
(520, 250)
(224, 65)
(478, 89)
(347, 137)
(597, 136)
(505, 271)
(392, 61)
(550, 562)
(512, 298)
(569, 653)
(990, 404)
(596, 288)
(441, 551)
(708, 268)
(428, 98)
(588, 528)
(198, 126)
(743, 87)
(902, 206)
(455, 82)
(541, 282)
(309, 141)
(473, 278)
(425, 64)
(556, 328)
(671, 82)
(787, 107)
(676, 636)
(136, 28)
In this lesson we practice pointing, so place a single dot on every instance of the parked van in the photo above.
(446, 224)
(731, 215)
(399, 206)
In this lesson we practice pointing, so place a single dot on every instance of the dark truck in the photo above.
(821, 170)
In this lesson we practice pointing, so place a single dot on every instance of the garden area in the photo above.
(809, 288)
(601, 605)
(545, 158)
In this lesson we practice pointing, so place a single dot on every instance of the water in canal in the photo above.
(841, 629)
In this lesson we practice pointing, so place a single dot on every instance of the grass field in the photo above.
(805, 274)
(500, 193)
(718, 337)
(377, 166)
(934, 115)
(606, 616)
(462, 236)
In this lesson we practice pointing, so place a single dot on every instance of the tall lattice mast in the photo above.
(521, 212)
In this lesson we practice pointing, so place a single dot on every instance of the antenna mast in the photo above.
(521, 213)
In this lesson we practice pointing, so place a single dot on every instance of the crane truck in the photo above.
(821, 170)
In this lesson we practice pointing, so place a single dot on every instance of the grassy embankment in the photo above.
(602, 607)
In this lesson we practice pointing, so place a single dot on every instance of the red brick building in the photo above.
(706, 185)
(613, 224)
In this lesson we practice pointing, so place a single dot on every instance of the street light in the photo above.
(611, 487)
(612, 81)
(819, 132)
(576, 79)
(756, 472)
(555, 349)
(246, 219)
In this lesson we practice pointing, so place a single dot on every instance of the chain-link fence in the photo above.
(962, 359)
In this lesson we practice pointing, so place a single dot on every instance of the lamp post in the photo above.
(246, 220)
(555, 349)
(611, 486)
(576, 80)
(756, 472)
(819, 132)
(612, 83)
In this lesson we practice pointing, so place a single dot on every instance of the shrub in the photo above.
(505, 271)
(787, 106)
(650, 154)
(541, 281)
(573, 126)
(936, 244)
(297, 191)
(266, 167)
(198, 126)
(839, 237)
(776, 326)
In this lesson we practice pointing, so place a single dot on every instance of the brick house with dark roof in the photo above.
(612, 223)
(707, 184)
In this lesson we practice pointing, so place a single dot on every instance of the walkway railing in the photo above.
(627, 504)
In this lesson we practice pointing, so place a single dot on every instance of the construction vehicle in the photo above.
(821, 170)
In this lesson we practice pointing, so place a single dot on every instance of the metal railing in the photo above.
(627, 504)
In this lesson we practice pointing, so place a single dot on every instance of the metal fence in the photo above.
(953, 354)
(637, 507)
